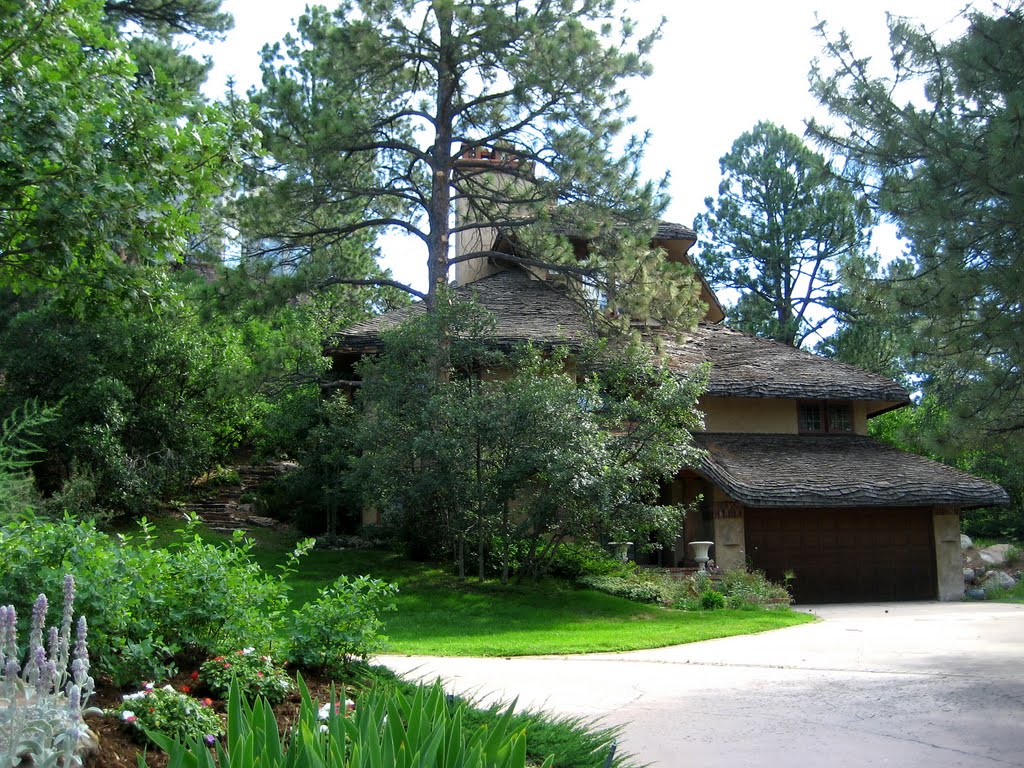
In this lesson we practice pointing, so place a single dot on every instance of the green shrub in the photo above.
(145, 603)
(254, 674)
(711, 600)
(42, 703)
(214, 598)
(744, 588)
(576, 560)
(636, 587)
(386, 729)
(171, 713)
(343, 623)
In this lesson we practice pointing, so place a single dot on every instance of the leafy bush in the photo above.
(711, 600)
(157, 397)
(387, 728)
(169, 712)
(576, 560)
(145, 603)
(743, 588)
(42, 704)
(634, 587)
(342, 623)
(253, 673)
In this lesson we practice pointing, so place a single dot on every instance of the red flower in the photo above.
(226, 665)
(218, 658)
(259, 674)
(186, 689)
(194, 675)
(207, 702)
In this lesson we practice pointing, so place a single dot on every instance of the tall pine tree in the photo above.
(938, 145)
(780, 232)
(387, 99)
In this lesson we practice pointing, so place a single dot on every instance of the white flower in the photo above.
(134, 696)
(246, 651)
(168, 687)
(148, 687)
(128, 716)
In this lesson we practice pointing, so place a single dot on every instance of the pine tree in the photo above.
(780, 232)
(948, 167)
(402, 111)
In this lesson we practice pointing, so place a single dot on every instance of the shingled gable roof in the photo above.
(540, 312)
(524, 309)
(835, 471)
(743, 365)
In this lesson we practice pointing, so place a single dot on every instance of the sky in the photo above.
(719, 68)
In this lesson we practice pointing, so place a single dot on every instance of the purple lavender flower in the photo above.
(10, 677)
(210, 739)
(66, 617)
(74, 700)
(53, 642)
(35, 638)
(8, 632)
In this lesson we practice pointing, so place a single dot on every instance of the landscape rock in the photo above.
(969, 576)
(965, 541)
(997, 554)
(997, 580)
(975, 594)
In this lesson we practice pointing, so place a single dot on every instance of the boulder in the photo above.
(975, 594)
(997, 554)
(997, 580)
(969, 576)
(965, 541)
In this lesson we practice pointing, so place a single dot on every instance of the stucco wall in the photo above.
(728, 532)
(729, 548)
(741, 414)
(948, 560)
(763, 415)
(860, 417)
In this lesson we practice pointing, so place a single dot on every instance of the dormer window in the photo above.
(823, 416)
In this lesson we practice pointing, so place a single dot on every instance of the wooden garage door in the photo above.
(849, 555)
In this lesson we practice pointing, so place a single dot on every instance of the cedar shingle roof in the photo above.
(524, 310)
(743, 365)
(670, 231)
(540, 312)
(835, 471)
(667, 230)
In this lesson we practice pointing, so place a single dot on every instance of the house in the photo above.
(790, 484)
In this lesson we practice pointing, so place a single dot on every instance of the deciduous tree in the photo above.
(94, 174)
(512, 454)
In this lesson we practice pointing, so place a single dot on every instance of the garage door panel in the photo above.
(846, 555)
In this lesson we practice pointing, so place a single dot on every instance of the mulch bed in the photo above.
(119, 747)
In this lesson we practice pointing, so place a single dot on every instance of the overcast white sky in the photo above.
(720, 66)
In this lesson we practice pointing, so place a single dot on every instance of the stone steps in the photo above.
(224, 512)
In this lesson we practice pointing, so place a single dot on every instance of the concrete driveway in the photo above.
(901, 684)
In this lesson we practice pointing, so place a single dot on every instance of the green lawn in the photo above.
(441, 616)
(521, 622)
(437, 615)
